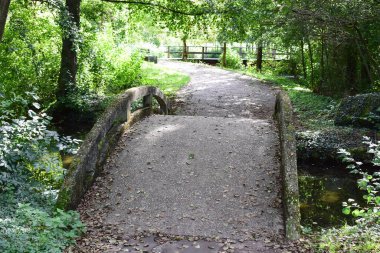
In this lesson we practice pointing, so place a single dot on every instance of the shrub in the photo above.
(30, 172)
(127, 74)
(368, 182)
(29, 55)
(365, 235)
(233, 60)
(26, 147)
(283, 67)
(33, 230)
(362, 237)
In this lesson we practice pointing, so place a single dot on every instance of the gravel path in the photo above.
(204, 180)
(216, 92)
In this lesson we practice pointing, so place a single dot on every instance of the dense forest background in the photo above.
(334, 45)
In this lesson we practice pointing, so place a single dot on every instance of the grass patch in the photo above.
(169, 81)
(363, 237)
(314, 112)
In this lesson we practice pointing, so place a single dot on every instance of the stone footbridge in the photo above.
(214, 177)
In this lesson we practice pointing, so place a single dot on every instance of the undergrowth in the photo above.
(31, 173)
(313, 111)
(364, 236)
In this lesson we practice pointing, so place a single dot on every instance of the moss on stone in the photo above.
(95, 149)
(321, 147)
(64, 199)
(361, 110)
(100, 144)
(284, 117)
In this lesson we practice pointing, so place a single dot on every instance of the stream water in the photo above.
(322, 191)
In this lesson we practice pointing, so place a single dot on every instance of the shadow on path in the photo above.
(205, 180)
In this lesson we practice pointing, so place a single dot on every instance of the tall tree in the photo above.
(69, 63)
(342, 38)
(4, 7)
(175, 14)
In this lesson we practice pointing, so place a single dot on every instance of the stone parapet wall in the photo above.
(97, 145)
(284, 117)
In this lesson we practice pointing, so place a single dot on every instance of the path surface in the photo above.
(204, 180)
(219, 93)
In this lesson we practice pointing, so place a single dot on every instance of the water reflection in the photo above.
(322, 194)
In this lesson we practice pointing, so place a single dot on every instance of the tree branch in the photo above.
(160, 6)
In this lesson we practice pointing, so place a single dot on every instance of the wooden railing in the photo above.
(214, 53)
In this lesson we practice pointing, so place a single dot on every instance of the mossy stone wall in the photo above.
(284, 117)
(95, 149)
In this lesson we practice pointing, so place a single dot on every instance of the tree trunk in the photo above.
(303, 59)
(224, 59)
(366, 75)
(69, 64)
(311, 63)
(185, 53)
(4, 8)
(259, 58)
(366, 57)
(351, 69)
(322, 71)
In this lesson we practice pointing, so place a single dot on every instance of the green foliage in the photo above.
(29, 54)
(127, 74)
(30, 174)
(26, 145)
(33, 230)
(283, 67)
(233, 60)
(364, 236)
(47, 169)
(314, 111)
(320, 37)
(368, 182)
(184, 19)
(107, 64)
(17, 104)
(85, 101)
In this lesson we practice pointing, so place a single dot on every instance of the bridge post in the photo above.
(147, 101)
(96, 147)
(168, 52)
(129, 111)
(203, 53)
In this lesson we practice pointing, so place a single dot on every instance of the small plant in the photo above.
(34, 230)
(368, 182)
(27, 147)
(127, 74)
(233, 60)
(30, 175)
(364, 236)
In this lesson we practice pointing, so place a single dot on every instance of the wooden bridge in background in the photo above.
(212, 55)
